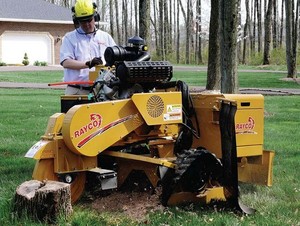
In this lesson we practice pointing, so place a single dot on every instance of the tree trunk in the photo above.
(259, 25)
(161, 29)
(268, 34)
(291, 38)
(275, 13)
(239, 33)
(281, 24)
(198, 52)
(154, 23)
(136, 17)
(246, 29)
(166, 28)
(213, 69)
(43, 201)
(103, 10)
(117, 22)
(125, 21)
(229, 15)
(253, 45)
(144, 25)
(170, 26)
(178, 36)
(188, 33)
(111, 18)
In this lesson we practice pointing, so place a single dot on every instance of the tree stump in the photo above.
(45, 201)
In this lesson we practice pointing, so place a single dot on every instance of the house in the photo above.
(35, 27)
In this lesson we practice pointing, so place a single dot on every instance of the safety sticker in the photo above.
(35, 148)
(174, 108)
(174, 112)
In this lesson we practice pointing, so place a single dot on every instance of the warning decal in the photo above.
(174, 112)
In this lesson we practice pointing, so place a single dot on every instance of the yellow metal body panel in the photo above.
(249, 121)
(44, 148)
(54, 124)
(249, 126)
(67, 161)
(258, 172)
(74, 140)
(210, 194)
(251, 150)
(91, 128)
(207, 110)
(160, 107)
(52, 146)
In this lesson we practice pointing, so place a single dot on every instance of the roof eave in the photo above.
(41, 21)
(36, 21)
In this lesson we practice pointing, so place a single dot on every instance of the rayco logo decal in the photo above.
(245, 127)
(104, 129)
(95, 122)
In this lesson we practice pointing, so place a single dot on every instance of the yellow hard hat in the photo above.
(84, 9)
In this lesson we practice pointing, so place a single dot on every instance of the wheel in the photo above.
(44, 170)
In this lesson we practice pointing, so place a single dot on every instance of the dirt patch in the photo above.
(296, 80)
(135, 205)
(135, 199)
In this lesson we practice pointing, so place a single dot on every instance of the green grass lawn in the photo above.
(193, 78)
(24, 115)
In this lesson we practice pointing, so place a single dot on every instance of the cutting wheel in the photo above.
(44, 170)
(195, 169)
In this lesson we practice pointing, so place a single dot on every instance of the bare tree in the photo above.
(111, 18)
(144, 23)
(253, 44)
(178, 35)
(171, 25)
(246, 29)
(268, 33)
(161, 29)
(213, 69)
(166, 28)
(198, 49)
(103, 10)
(154, 23)
(125, 21)
(259, 26)
(281, 24)
(229, 15)
(291, 37)
(275, 24)
(117, 22)
(174, 22)
(188, 32)
(136, 17)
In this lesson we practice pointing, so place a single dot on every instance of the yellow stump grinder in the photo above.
(195, 146)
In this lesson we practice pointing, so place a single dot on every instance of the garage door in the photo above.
(38, 47)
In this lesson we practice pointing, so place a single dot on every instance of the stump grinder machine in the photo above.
(194, 146)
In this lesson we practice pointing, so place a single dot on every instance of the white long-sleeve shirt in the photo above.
(83, 47)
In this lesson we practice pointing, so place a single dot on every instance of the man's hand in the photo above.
(95, 61)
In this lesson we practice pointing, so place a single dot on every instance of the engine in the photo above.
(130, 70)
